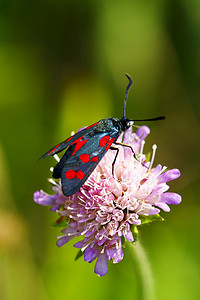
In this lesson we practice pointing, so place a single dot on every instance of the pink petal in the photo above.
(171, 198)
(129, 236)
(142, 132)
(169, 175)
(163, 206)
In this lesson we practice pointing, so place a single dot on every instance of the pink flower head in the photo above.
(106, 208)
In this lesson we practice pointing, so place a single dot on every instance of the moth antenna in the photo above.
(152, 119)
(127, 90)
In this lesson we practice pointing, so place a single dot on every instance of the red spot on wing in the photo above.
(80, 175)
(95, 158)
(92, 125)
(84, 158)
(78, 140)
(54, 149)
(103, 141)
(79, 145)
(109, 143)
(70, 174)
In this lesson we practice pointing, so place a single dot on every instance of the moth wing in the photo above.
(79, 165)
(71, 140)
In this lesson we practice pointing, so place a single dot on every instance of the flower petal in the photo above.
(115, 253)
(163, 206)
(63, 240)
(169, 175)
(129, 236)
(80, 244)
(101, 266)
(44, 199)
(156, 170)
(91, 253)
(171, 198)
(142, 132)
(128, 136)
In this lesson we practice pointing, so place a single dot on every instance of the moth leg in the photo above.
(125, 145)
(113, 163)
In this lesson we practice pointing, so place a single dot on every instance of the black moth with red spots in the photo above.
(87, 147)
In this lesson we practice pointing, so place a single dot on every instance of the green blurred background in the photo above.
(62, 66)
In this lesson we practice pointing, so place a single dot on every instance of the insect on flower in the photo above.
(87, 147)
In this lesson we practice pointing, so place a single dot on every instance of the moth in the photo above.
(86, 148)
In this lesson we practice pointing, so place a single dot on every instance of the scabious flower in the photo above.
(107, 208)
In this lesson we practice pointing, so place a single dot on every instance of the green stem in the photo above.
(144, 270)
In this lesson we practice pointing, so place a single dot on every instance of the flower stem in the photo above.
(144, 270)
